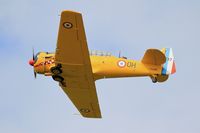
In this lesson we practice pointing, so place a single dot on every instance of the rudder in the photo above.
(169, 66)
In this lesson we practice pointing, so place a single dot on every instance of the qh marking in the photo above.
(121, 63)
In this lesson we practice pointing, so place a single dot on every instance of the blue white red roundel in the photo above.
(121, 63)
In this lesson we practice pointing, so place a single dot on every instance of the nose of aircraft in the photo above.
(31, 62)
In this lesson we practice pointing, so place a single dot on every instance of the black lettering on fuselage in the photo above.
(131, 64)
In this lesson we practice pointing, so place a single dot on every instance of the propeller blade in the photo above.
(33, 54)
(35, 75)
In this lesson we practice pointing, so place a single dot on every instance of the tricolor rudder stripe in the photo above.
(169, 66)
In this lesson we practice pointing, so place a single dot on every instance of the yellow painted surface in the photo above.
(72, 53)
(109, 67)
(103, 66)
(44, 62)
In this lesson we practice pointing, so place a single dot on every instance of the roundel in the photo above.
(67, 25)
(85, 110)
(121, 63)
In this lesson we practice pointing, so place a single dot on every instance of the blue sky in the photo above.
(128, 104)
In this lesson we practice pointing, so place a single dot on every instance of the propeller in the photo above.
(32, 61)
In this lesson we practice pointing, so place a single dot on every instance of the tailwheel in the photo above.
(56, 70)
(154, 79)
(63, 84)
(58, 78)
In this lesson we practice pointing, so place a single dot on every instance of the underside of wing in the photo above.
(72, 53)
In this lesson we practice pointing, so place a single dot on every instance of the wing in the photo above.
(153, 57)
(72, 53)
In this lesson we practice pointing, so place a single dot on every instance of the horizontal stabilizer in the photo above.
(162, 78)
(154, 57)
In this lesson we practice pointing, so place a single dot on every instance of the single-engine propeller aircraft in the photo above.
(76, 69)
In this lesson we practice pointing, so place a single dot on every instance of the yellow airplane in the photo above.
(76, 69)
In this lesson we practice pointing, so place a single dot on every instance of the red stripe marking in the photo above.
(173, 68)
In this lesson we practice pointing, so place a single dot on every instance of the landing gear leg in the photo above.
(56, 70)
(154, 78)
(58, 78)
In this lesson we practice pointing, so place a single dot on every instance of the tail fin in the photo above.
(169, 66)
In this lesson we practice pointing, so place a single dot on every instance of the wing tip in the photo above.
(93, 117)
(70, 11)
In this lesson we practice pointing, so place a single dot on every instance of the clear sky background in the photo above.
(129, 105)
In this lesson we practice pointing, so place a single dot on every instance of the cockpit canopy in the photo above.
(99, 53)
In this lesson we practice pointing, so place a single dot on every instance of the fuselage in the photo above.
(103, 66)
(114, 67)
